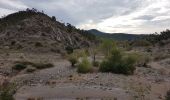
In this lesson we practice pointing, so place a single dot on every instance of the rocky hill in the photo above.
(116, 36)
(32, 30)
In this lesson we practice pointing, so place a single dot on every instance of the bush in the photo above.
(42, 65)
(6, 96)
(117, 63)
(85, 66)
(38, 44)
(69, 49)
(128, 64)
(7, 91)
(23, 64)
(19, 66)
(31, 69)
(168, 95)
(107, 46)
(96, 63)
(142, 59)
(73, 59)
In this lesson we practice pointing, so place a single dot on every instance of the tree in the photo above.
(53, 18)
(94, 50)
(107, 46)
(69, 27)
(73, 59)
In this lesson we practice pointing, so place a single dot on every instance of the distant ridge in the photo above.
(116, 36)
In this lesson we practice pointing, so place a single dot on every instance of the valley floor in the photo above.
(62, 82)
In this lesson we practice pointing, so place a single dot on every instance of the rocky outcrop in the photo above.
(40, 33)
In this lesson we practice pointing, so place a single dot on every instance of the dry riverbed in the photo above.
(62, 82)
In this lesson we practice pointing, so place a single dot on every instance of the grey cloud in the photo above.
(12, 5)
(145, 17)
(79, 12)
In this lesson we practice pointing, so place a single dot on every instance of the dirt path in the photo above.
(70, 92)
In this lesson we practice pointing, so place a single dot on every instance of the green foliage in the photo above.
(69, 49)
(70, 28)
(86, 34)
(96, 63)
(7, 91)
(73, 59)
(138, 43)
(81, 53)
(155, 38)
(84, 66)
(19, 66)
(23, 64)
(42, 65)
(107, 46)
(31, 69)
(128, 64)
(118, 63)
(53, 18)
(168, 95)
(38, 44)
(117, 36)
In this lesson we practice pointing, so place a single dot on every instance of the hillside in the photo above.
(116, 36)
(32, 30)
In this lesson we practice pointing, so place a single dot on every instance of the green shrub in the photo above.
(168, 95)
(142, 59)
(80, 53)
(19, 66)
(69, 49)
(84, 66)
(38, 44)
(23, 64)
(96, 63)
(141, 43)
(106, 46)
(7, 91)
(42, 65)
(31, 69)
(105, 66)
(73, 59)
(118, 63)
(128, 64)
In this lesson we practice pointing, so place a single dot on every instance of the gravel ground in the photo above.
(62, 82)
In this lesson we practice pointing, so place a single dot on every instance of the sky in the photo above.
(112, 16)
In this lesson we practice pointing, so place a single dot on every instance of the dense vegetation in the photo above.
(7, 90)
(73, 59)
(87, 34)
(117, 62)
(84, 66)
(117, 36)
(21, 65)
(155, 38)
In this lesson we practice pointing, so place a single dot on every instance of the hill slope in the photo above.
(31, 30)
(116, 36)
